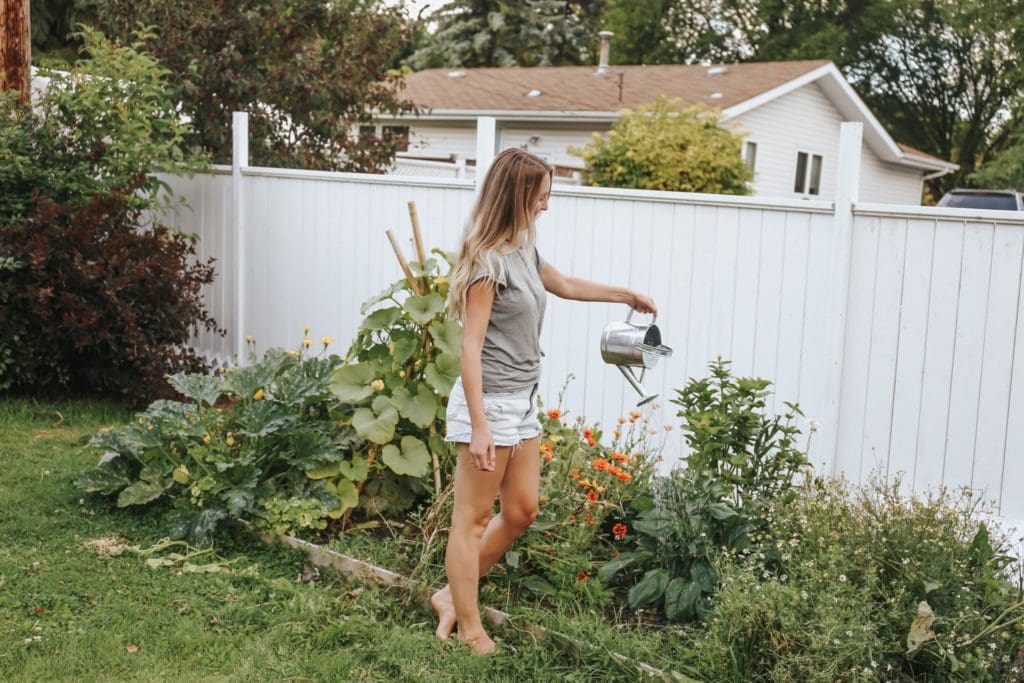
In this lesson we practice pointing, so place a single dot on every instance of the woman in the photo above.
(498, 289)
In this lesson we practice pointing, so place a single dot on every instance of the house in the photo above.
(790, 112)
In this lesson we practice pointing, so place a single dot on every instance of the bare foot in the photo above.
(480, 644)
(442, 603)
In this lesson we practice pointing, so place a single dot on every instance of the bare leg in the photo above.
(475, 491)
(519, 488)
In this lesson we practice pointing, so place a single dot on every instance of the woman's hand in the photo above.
(642, 303)
(482, 450)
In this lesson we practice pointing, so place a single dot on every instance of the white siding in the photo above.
(802, 121)
(443, 139)
(888, 184)
(553, 142)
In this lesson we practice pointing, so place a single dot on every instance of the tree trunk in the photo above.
(15, 48)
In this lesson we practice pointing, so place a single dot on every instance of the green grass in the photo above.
(254, 623)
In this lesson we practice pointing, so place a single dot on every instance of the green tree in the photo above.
(662, 146)
(307, 72)
(1006, 170)
(475, 33)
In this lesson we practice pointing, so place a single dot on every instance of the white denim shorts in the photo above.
(512, 417)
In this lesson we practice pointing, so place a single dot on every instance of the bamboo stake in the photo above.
(417, 236)
(405, 264)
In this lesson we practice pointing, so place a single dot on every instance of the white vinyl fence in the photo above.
(898, 330)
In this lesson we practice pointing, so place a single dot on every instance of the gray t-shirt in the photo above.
(510, 359)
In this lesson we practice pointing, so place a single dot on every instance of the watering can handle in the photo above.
(633, 310)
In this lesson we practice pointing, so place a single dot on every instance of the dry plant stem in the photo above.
(413, 284)
(416, 235)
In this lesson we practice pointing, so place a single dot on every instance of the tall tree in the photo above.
(15, 48)
(505, 33)
(307, 72)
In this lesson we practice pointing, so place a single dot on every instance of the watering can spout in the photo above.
(628, 345)
(644, 396)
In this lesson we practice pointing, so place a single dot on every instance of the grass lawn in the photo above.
(67, 613)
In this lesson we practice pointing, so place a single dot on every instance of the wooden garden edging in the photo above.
(357, 570)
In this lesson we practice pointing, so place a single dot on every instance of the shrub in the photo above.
(662, 146)
(97, 294)
(741, 460)
(96, 304)
(866, 583)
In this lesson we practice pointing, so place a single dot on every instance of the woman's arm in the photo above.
(579, 289)
(479, 300)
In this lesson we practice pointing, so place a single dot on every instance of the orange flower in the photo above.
(588, 432)
(624, 476)
(547, 448)
(632, 419)
(622, 420)
(601, 465)
(634, 413)
(592, 496)
(591, 441)
(554, 413)
(617, 433)
(619, 531)
(575, 474)
(582, 576)
(548, 457)
(619, 457)
(590, 521)
(615, 553)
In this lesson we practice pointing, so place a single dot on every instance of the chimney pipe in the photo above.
(606, 46)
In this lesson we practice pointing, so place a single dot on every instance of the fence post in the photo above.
(847, 192)
(239, 159)
(485, 138)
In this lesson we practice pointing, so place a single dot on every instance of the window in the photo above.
(750, 155)
(399, 135)
(367, 132)
(808, 173)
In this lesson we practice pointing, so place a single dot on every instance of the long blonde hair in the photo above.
(504, 208)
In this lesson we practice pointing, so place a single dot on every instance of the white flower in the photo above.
(842, 578)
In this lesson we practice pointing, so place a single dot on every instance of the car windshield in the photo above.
(986, 200)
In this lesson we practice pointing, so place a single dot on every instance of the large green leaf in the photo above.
(412, 460)
(246, 380)
(351, 383)
(447, 336)
(324, 471)
(403, 345)
(681, 598)
(418, 408)
(110, 477)
(395, 288)
(261, 418)
(140, 493)
(380, 428)
(347, 494)
(608, 571)
(381, 319)
(422, 309)
(355, 470)
(649, 589)
(538, 586)
(442, 372)
(204, 389)
(308, 448)
(425, 268)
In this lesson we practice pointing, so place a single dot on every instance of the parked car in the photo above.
(1002, 200)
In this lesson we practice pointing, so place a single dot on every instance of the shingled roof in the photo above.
(580, 88)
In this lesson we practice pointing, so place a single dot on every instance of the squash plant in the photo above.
(295, 440)
(399, 371)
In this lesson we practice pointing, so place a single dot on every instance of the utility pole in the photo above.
(15, 48)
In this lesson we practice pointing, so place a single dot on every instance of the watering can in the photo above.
(627, 345)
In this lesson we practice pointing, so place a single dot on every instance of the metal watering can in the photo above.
(627, 345)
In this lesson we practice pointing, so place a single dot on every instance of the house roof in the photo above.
(562, 93)
(581, 88)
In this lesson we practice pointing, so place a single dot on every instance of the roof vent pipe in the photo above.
(606, 46)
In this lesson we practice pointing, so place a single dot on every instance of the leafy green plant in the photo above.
(662, 146)
(398, 373)
(868, 582)
(249, 443)
(741, 461)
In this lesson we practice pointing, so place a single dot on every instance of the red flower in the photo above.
(554, 413)
(619, 457)
(592, 496)
(588, 433)
(582, 576)
(619, 531)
